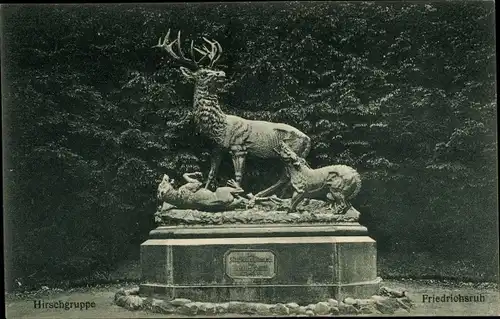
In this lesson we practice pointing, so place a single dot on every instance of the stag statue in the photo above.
(230, 133)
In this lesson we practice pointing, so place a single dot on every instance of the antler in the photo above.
(181, 57)
(215, 53)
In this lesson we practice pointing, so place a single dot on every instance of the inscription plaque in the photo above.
(251, 263)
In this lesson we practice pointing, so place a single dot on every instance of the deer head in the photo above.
(193, 70)
(287, 155)
(165, 186)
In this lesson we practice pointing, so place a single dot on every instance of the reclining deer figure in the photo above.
(192, 196)
(335, 183)
(230, 133)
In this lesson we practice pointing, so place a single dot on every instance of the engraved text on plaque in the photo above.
(251, 263)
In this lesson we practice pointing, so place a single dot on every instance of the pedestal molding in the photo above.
(260, 241)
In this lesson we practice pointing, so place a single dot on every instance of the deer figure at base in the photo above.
(335, 183)
(236, 135)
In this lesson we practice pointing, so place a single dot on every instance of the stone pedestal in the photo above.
(262, 263)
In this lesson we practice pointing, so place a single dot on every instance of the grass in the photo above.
(425, 265)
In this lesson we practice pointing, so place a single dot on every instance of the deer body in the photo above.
(258, 137)
(232, 133)
(262, 136)
(334, 183)
(242, 137)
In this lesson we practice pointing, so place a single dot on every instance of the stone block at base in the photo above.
(284, 269)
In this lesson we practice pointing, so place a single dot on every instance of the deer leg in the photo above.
(302, 151)
(287, 185)
(339, 201)
(284, 179)
(238, 156)
(214, 165)
(188, 177)
(296, 199)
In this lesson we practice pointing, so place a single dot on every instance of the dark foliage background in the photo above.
(404, 92)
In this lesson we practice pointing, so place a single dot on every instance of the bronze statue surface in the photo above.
(323, 193)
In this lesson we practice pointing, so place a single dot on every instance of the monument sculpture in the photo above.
(237, 135)
(225, 246)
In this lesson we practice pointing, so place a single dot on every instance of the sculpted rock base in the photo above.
(395, 302)
(264, 213)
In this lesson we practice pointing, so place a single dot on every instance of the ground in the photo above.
(22, 305)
